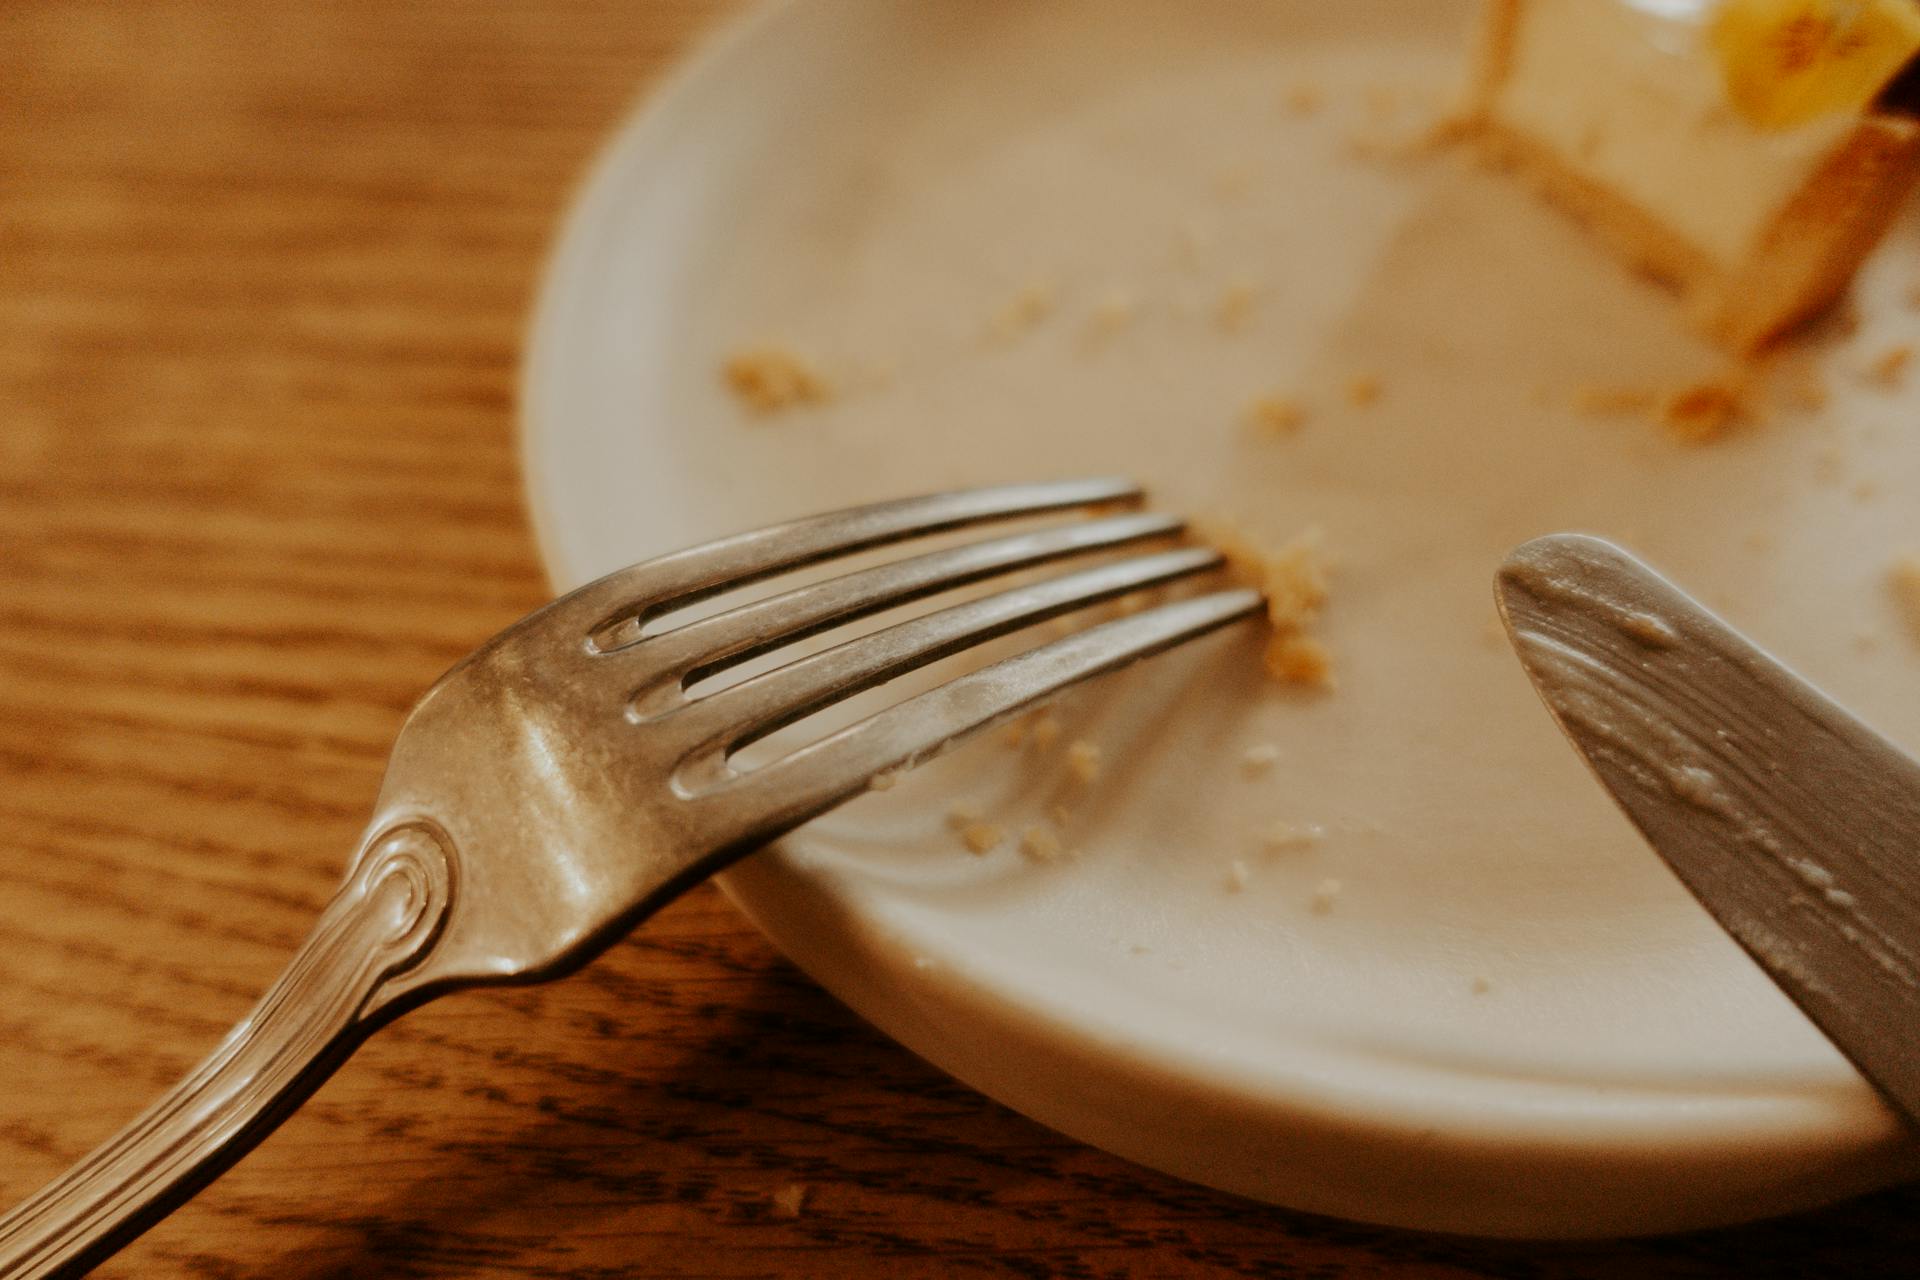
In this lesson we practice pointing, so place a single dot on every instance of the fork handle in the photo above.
(382, 922)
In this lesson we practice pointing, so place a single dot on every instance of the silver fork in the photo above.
(560, 784)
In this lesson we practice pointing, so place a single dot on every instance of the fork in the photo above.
(561, 784)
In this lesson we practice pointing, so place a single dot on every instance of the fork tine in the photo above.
(757, 707)
(776, 797)
(715, 643)
(623, 601)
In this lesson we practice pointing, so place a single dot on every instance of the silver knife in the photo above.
(1794, 823)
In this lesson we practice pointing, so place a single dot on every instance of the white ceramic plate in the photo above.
(1512, 1020)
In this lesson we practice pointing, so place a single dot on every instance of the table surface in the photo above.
(263, 276)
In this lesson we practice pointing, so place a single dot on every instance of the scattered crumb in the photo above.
(1014, 735)
(1295, 581)
(1235, 307)
(1236, 876)
(923, 962)
(1060, 815)
(1298, 659)
(1304, 99)
(1112, 314)
(790, 1200)
(1139, 949)
(1830, 464)
(1905, 577)
(1704, 410)
(1046, 731)
(1889, 368)
(1285, 837)
(962, 816)
(772, 378)
(982, 837)
(1363, 390)
(1866, 641)
(1029, 309)
(1235, 181)
(1257, 760)
(1275, 414)
(1760, 540)
(1865, 490)
(1601, 400)
(1381, 100)
(1041, 844)
(1194, 240)
(1480, 986)
(1807, 390)
(883, 781)
(1083, 760)
(1324, 894)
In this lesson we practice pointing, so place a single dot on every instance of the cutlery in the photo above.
(1794, 824)
(563, 782)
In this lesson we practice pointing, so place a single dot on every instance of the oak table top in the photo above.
(263, 276)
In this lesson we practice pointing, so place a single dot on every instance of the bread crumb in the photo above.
(1600, 400)
(1285, 837)
(1259, 759)
(1030, 308)
(1905, 577)
(1059, 815)
(1363, 390)
(1889, 368)
(1083, 761)
(1866, 641)
(1865, 490)
(1304, 99)
(883, 781)
(1480, 986)
(1807, 390)
(1761, 541)
(1236, 876)
(789, 1200)
(1112, 314)
(1275, 414)
(1041, 844)
(1014, 735)
(1703, 411)
(1324, 894)
(1298, 659)
(1234, 181)
(1381, 101)
(1046, 731)
(1235, 307)
(962, 816)
(982, 837)
(769, 379)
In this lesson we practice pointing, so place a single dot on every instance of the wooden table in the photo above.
(263, 273)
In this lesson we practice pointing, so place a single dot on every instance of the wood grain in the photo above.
(263, 273)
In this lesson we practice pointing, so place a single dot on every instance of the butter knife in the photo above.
(1793, 823)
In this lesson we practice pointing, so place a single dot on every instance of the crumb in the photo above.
(1276, 415)
(1905, 577)
(1014, 735)
(1363, 390)
(1324, 894)
(1889, 368)
(883, 781)
(1480, 986)
(1298, 659)
(1236, 876)
(1807, 390)
(1704, 410)
(1112, 314)
(1829, 464)
(789, 1200)
(1060, 815)
(1304, 99)
(1760, 540)
(982, 837)
(1083, 760)
(962, 816)
(1285, 837)
(1233, 182)
(1029, 309)
(1866, 641)
(1598, 400)
(771, 378)
(1194, 241)
(1294, 579)
(1235, 307)
(1139, 949)
(1046, 731)
(1257, 760)
(1127, 606)
(1865, 490)
(1041, 844)
(1381, 100)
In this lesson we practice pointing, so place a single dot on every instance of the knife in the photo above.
(1793, 823)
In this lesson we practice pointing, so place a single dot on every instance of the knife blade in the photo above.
(1795, 824)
